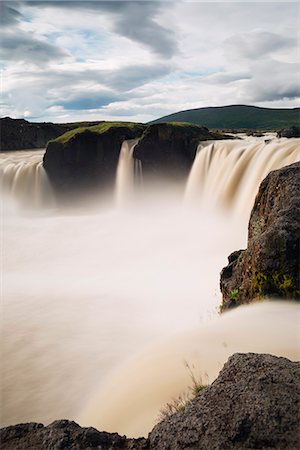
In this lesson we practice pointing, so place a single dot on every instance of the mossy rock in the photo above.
(270, 265)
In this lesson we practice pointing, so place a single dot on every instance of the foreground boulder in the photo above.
(270, 264)
(253, 404)
(19, 134)
(64, 435)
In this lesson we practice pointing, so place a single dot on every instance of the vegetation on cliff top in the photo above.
(100, 128)
(189, 129)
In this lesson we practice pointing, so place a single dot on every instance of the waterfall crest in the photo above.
(24, 180)
(227, 174)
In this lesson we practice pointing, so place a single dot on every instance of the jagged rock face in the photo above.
(18, 134)
(64, 435)
(270, 264)
(87, 160)
(253, 404)
(168, 150)
(292, 132)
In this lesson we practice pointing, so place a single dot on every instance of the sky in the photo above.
(65, 61)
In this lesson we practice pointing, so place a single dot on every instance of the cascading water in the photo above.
(82, 293)
(125, 172)
(228, 173)
(23, 179)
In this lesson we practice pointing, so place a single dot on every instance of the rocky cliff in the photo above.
(87, 157)
(19, 134)
(253, 404)
(270, 264)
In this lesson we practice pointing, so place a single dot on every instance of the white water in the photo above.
(125, 172)
(226, 174)
(23, 179)
(83, 293)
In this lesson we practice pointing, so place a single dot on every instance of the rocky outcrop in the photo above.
(64, 435)
(169, 149)
(270, 264)
(292, 132)
(19, 134)
(87, 158)
(253, 404)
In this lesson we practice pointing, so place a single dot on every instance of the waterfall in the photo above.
(92, 296)
(23, 179)
(126, 172)
(226, 174)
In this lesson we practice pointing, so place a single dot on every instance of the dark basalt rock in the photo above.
(270, 264)
(253, 404)
(19, 134)
(292, 132)
(64, 435)
(168, 149)
(87, 158)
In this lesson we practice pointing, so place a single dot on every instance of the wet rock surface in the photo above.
(253, 404)
(270, 264)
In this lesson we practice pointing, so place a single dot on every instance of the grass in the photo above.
(179, 404)
(100, 128)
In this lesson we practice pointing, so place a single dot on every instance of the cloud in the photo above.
(20, 46)
(8, 15)
(257, 44)
(135, 20)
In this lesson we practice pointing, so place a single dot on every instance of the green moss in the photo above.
(257, 227)
(281, 284)
(233, 295)
(100, 128)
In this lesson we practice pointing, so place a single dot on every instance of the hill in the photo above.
(237, 117)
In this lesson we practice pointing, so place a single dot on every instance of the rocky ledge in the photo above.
(270, 264)
(253, 404)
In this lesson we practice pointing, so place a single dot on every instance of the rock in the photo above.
(87, 158)
(292, 132)
(64, 435)
(270, 264)
(253, 404)
(168, 149)
(19, 134)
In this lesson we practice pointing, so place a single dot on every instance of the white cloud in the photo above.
(135, 60)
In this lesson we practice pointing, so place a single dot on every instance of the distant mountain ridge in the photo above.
(237, 117)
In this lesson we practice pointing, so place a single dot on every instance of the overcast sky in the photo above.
(140, 60)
